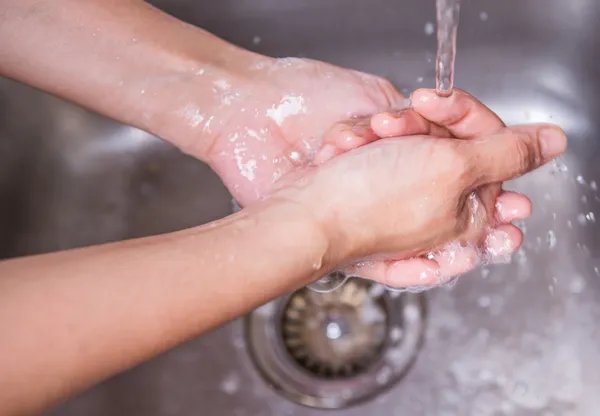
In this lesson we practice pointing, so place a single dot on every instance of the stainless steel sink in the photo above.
(516, 339)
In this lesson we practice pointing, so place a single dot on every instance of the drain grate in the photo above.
(333, 350)
(338, 334)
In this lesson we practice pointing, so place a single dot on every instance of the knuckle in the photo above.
(525, 152)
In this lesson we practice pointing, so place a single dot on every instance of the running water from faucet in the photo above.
(447, 25)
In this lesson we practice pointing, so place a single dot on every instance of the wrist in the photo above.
(322, 215)
(291, 228)
(196, 95)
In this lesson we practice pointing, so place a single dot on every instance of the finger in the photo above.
(514, 151)
(358, 135)
(405, 122)
(512, 206)
(502, 242)
(417, 271)
(326, 153)
(452, 261)
(344, 136)
(461, 113)
(455, 260)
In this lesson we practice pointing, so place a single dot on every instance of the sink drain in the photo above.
(337, 334)
(333, 350)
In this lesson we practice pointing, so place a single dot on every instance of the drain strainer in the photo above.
(337, 334)
(333, 350)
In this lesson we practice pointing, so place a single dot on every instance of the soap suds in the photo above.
(290, 105)
(192, 114)
(246, 168)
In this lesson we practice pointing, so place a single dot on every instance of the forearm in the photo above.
(71, 319)
(124, 59)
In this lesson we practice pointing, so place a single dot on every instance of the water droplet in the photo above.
(376, 290)
(411, 313)
(483, 16)
(384, 375)
(590, 217)
(558, 166)
(256, 40)
(484, 302)
(551, 239)
(396, 334)
(521, 257)
(238, 342)
(429, 28)
(328, 283)
(577, 285)
(420, 80)
(581, 219)
(333, 331)
(231, 384)
(594, 185)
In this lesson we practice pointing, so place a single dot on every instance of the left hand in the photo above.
(275, 123)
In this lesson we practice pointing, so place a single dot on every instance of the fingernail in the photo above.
(360, 131)
(398, 114)
(553, 142)
(423, 95)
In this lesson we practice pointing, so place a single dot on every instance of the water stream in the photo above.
(447, 24)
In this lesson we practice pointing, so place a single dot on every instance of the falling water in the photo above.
(447, 25)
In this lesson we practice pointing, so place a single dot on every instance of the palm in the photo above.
(279, 126)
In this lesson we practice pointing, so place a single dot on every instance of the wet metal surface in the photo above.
(518, 339)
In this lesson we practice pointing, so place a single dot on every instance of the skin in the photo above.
(213, 100)
(459, 116)
(317, 201)
(100, 310)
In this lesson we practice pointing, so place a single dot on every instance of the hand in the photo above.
(266, 128)
(406, 197)
(460, 116)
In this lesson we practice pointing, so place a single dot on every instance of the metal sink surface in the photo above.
(514, 339)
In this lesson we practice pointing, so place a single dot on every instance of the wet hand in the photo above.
(483, 212)
(274, 124)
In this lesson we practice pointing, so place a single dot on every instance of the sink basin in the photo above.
(510, 339)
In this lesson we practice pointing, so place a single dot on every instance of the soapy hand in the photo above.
(408, 197)
(274, 124)
(460, 116)
(274, 127)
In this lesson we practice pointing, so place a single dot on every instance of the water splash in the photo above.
(329, 283)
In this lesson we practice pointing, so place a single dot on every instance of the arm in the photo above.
(71, 319)
(74, 318)
(124, 59)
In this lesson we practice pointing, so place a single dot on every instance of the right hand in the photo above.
(401, 198)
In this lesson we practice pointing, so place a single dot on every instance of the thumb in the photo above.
(514, 151)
